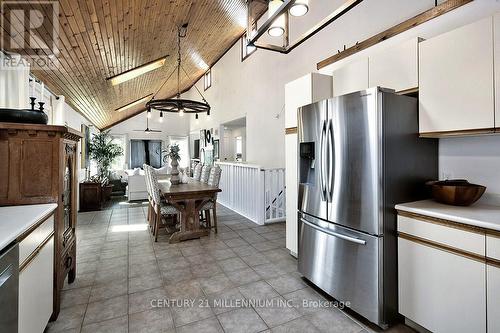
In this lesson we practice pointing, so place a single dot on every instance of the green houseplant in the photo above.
(172, 152)
(104, 152)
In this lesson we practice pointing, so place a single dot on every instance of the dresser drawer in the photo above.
(493, 246)
(35, 238)
(444, 233)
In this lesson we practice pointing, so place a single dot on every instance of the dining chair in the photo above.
(205, 173)
(197, 171)
(213, 180)
(161, 208)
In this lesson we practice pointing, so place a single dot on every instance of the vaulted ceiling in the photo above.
(102, 38)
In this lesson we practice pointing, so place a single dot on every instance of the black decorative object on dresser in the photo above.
(25, 116)
(38, 165)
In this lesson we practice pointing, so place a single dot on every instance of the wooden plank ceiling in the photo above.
(102, 38)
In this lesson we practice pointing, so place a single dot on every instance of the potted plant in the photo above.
(172, 152)
(104, 152)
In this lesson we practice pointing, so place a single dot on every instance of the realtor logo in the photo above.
(31, 28)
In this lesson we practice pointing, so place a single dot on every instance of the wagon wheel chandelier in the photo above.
(178, 104)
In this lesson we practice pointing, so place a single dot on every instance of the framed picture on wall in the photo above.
(216, 149)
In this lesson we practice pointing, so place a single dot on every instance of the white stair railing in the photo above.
(252, 191)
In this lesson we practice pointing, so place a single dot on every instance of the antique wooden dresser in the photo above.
(38, 165)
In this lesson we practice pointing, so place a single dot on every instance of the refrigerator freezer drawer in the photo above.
(343, 263)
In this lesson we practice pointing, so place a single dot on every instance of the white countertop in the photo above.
(15, 220)
(479, 214)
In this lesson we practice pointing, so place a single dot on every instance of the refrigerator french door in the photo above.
(359, 155)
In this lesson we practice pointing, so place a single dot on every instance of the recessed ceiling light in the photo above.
(277, 28)
(134, 103)
(300, 8)
(135, 72)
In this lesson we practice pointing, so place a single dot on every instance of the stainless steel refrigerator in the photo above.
(359, 155)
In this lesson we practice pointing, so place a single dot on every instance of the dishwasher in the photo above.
(9, 288)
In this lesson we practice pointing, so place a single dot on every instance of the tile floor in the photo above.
(127, 283)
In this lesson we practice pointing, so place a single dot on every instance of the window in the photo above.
(246, 50)
(145, 152)
(119, 162)
(208, 79)
(183, 142)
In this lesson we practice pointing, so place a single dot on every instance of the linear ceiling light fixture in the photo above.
(138, 71)
(176, 104)
(134, 103)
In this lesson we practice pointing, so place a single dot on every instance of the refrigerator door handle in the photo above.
(330, 143)
(322, 162)
(333, 233)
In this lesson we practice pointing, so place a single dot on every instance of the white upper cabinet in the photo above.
(303, 91)
(395, 67)
(456, 80)
(496, 44)
(351, 77)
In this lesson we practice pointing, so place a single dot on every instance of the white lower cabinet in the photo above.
(35, 291)
(493, 281)
(441, 291)
(291, 193)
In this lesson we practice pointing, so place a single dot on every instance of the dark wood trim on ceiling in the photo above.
(428, 15)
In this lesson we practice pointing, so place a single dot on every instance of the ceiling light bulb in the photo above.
(277, 28)
(181, 112)
(161, 116)
(300, 8)
(149, 114)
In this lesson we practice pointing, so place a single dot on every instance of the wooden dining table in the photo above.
(188, 199)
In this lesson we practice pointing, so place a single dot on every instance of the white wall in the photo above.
(254, 88)
(173, 125)
(476, 159)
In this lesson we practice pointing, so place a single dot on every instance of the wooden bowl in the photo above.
(456, 192)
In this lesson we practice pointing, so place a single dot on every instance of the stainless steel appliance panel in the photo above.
(312, 127)
(9, 289)
(343, 263)
(354, 172)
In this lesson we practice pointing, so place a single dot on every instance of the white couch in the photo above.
(136, 189)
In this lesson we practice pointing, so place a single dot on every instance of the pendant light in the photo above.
(277, 28)
(161, 116)
(178, 104)
(299, 8)
(149, 113)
